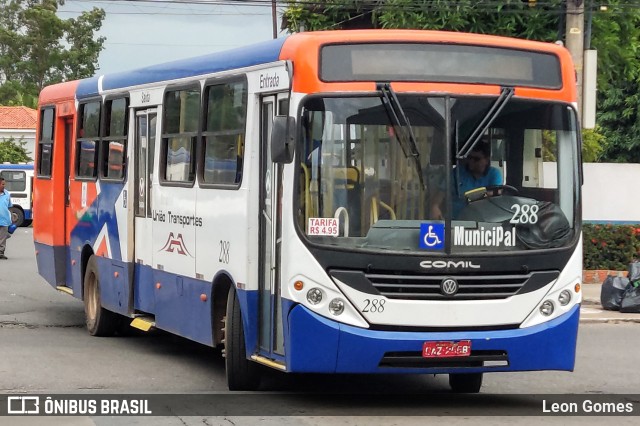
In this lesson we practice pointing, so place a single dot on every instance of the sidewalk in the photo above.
(592, 312)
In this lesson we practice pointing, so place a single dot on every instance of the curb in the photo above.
(584, 320)
(602, 317)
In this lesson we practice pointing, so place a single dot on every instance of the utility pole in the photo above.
(575, 41)
(274, 18)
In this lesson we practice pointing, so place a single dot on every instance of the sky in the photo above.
(146, 32)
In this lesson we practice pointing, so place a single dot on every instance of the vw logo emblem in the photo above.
(449, 287)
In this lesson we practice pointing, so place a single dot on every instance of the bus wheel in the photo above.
(17, 216)
(465, 383)
(100, 322)
(242, 374)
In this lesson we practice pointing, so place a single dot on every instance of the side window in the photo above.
(179, 134)
(539, 159)
(224, 133)
(87, 140)
(16, 181)
(45, 143)
(114, 142)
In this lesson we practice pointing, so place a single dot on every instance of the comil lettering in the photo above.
(442, 264)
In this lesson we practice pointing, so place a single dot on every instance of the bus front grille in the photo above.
(428, 287)
(415, 286)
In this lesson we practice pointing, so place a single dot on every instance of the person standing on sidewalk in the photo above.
(5, 217)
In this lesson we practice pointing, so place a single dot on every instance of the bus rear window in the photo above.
(450, 63)
(16, 181)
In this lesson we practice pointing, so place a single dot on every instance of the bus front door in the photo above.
(69, 214)
(145, 141)
(271, 341)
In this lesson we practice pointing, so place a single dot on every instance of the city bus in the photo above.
(19, 182)
(276, 201)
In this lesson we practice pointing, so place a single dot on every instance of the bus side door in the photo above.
(144, 148)
(271, 340)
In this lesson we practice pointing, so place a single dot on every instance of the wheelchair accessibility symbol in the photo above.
(432, 236)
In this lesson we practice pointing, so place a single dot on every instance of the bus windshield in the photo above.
(513, 189)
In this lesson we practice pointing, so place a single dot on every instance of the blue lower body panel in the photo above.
(317, 344)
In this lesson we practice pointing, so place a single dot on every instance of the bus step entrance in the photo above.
(64, 289)
(144, 323)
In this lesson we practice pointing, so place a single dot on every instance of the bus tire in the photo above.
(242, 374)
(17, 216)
(465, 382)
(99, 321)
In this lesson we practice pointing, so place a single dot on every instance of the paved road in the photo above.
(44, 348)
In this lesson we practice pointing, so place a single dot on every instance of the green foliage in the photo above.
(616, 36)
(511, 17)
(13, 151)
(37, 48)
(610, 246)
(592, 144)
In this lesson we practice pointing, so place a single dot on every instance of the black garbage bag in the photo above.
(551, 228)
(634, 271)
(612, 291)
(631, 300)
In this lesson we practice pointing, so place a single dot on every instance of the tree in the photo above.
(37, 48)
(617, 39)
(512, 17)
(13, 151)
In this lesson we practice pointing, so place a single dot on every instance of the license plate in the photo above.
(446, 349)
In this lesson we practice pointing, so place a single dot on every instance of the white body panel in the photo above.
(216, 219)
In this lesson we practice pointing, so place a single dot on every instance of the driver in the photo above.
(476, 172)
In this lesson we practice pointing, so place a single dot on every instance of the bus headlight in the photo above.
(564, 298)
(546, 308)
(314, 296)
(336, 306)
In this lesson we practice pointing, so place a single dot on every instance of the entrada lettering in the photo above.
(268, 81)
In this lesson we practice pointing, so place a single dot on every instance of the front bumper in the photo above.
(319, 345)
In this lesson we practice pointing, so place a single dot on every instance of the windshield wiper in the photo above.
(506, 93)
(401, 126)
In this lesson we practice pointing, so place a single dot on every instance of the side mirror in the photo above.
(282, 139)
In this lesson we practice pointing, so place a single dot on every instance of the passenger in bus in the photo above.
(5, 217)
(476, 172)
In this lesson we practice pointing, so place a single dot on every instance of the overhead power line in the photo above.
(415, 5)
